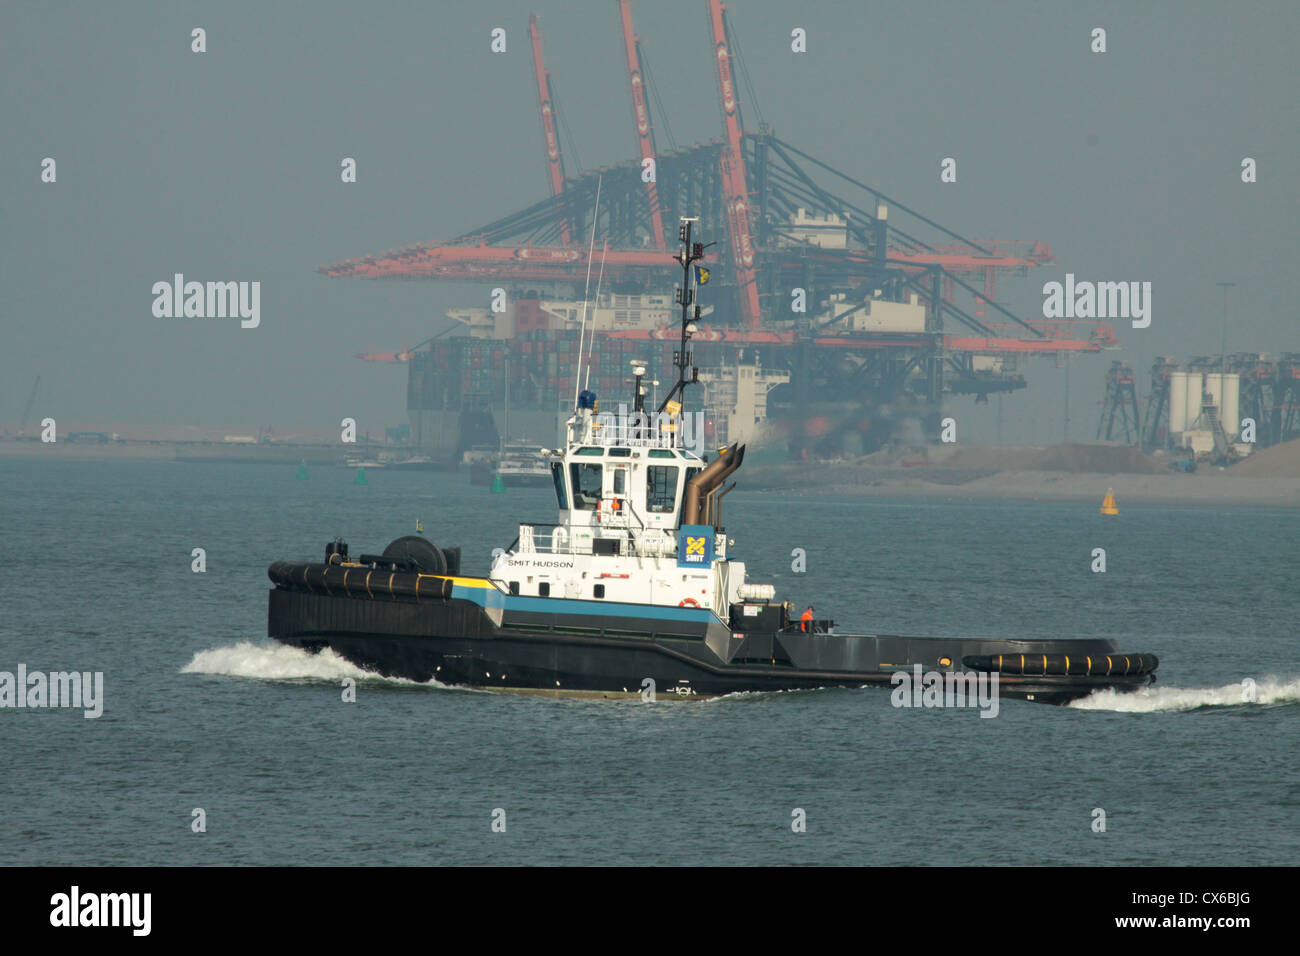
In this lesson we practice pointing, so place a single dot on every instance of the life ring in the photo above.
(688, 602)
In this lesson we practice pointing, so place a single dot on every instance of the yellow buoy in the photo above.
(1108, 506)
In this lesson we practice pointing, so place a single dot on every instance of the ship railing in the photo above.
(818, 626)
(561, 539)
(653, 431)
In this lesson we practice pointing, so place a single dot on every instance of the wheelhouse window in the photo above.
(557, 473)
(586, 481)
(661, 488)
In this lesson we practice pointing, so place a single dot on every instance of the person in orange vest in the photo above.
(806, 620)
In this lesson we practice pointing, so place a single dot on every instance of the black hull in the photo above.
(546, 646)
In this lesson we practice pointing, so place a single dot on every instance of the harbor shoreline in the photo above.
(1218, 488)
(1209, 487)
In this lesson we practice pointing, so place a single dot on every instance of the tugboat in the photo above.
(632, 589)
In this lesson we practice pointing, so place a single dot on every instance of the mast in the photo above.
(692, 252)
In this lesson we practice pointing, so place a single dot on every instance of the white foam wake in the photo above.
(1267, 690)
(280, 662)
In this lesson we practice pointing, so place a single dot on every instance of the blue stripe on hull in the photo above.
(490, 597)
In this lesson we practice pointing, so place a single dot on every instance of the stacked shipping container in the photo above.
(542, 364)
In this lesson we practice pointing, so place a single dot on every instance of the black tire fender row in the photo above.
(360, 581)
(1064, 665)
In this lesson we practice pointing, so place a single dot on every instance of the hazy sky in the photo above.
(225, 166)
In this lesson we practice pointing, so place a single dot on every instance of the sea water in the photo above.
(217, 746)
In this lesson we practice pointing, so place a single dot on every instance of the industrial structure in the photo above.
(1211, 406)
(1120, 400)
(844, 318)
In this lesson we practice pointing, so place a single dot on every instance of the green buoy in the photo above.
(302, 472)
(498, 485)
(360, 479)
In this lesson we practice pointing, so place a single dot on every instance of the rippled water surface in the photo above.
(202, 711)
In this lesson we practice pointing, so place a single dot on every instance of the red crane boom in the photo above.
(554, 161)
(734, 182)
(641, 116)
